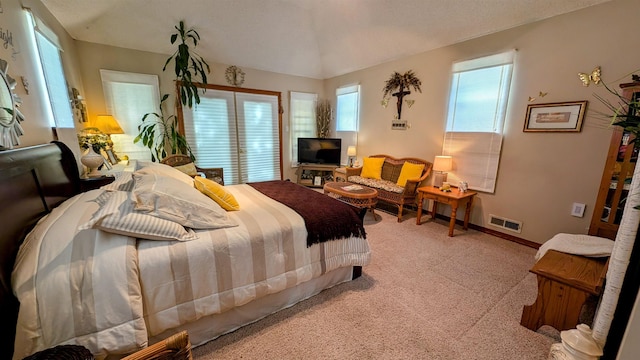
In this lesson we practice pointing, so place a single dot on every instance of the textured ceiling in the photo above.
(312, 38)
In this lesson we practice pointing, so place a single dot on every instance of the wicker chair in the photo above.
(175, 347)
(214, 174)
(390, 172)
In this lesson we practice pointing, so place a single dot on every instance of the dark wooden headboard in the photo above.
(33, 180)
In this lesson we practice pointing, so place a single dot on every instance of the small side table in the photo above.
(455, 198)
(340, 174)
(565, 281)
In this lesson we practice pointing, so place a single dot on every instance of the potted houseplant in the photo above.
(400, 82)
(159, 132)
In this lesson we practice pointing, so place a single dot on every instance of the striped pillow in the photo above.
(123, 182)
(116, 215)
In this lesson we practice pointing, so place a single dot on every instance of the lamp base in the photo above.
(439, 178)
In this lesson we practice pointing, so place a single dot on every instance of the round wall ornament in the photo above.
(234, 75)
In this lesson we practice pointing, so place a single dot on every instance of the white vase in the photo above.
(92, 161)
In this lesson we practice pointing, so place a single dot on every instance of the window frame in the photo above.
(58, 101)
(343, 91)
(297, 122)
(476, 151)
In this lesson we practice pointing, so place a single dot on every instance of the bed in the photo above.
(82, 277)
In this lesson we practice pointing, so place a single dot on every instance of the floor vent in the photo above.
(507, 224)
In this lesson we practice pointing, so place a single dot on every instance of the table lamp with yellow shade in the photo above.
(108, 125)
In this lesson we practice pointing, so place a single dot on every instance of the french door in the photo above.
(237, 130)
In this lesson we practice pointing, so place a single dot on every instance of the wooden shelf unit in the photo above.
(315, 175)
(617, 175)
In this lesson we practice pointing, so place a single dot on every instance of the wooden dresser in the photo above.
(565, 281)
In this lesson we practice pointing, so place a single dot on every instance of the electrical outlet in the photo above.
(577, 209)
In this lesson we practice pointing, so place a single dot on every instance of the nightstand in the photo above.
(90, 183)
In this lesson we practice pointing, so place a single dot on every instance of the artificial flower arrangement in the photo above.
(93, 137)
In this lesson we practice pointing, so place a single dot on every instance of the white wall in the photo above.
(541, 174)
(95, 57)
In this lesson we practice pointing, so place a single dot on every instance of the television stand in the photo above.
(315, 175)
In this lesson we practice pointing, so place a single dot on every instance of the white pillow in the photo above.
(116, 215)
(171, 199)
(147, 167)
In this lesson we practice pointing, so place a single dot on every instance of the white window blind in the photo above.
(48, 47)
(302, 119)
(212, 134)
(347, 108)
(259, 142)
(476, 156)
(475, 119)
(128, 97)
(238, 132)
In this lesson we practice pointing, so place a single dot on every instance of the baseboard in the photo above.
(393, 210)
(495, 233)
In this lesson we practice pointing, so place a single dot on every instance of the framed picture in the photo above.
(555, 117)
(111, 156)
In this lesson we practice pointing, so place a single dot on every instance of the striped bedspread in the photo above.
(110, 292)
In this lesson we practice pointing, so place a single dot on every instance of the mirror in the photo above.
(10, 115)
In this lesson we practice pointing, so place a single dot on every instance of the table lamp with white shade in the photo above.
(441, 165)
(351, 153)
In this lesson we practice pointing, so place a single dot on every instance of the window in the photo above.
(347, 117)
(477, 107)
(348, 108)
(302, 117)
(128, 96)
(48, 49)
(238, 131)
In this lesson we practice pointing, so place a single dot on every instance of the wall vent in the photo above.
(504, 223)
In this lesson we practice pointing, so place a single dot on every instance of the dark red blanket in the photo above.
(325, 218)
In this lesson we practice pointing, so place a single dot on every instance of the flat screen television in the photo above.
(319, 151)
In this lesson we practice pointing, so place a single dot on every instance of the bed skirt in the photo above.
(211, 327)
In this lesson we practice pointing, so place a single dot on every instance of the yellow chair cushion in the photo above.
(216, 192)
(409, 171)
(372, 168)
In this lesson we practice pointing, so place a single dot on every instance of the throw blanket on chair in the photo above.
(325, 218)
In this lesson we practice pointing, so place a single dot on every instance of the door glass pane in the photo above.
(210, 129)
(238, 132)
(259, 137)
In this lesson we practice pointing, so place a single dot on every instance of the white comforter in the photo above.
(110, 292)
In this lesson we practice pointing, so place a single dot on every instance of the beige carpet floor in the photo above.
(424, 296)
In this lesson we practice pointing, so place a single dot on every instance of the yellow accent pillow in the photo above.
(372, 168)
(216, 192)
(409, 171)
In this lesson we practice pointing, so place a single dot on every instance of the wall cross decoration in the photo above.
(402, 83)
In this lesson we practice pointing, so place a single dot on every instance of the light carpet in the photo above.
(424, 296)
